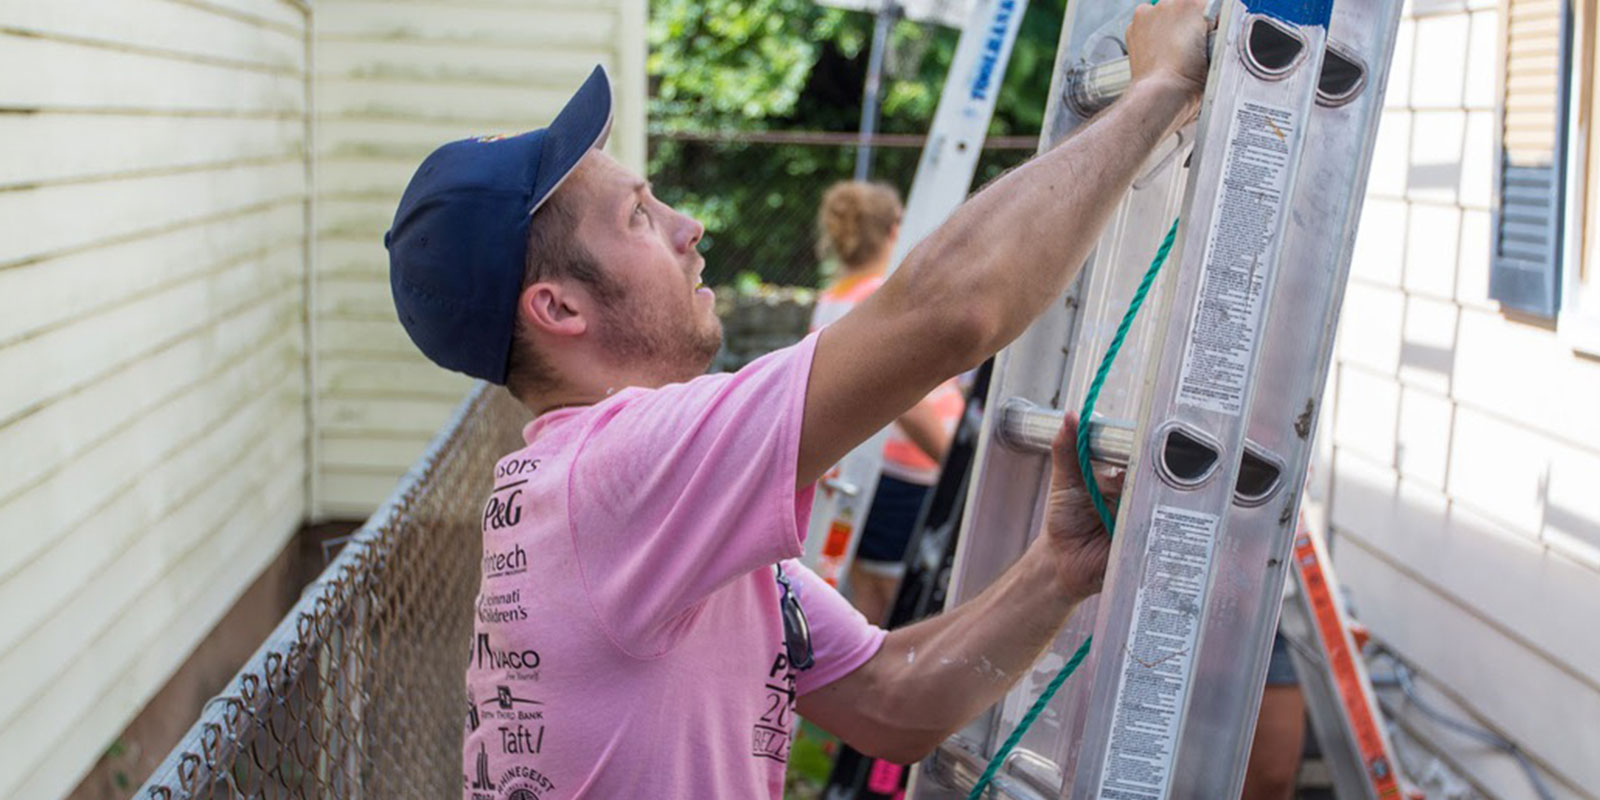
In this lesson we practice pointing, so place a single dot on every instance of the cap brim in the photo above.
(583, 125)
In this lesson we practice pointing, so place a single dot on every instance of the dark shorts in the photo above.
(1280, 669)
(895, 508)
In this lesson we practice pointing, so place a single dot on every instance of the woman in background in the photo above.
(858, 225)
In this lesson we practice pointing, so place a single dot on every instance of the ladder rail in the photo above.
(1294, 367)
(1340, 701)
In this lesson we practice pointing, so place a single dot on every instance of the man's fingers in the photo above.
(1169, 37)
(1110, 479)
(1064, 450)
(1064, 456)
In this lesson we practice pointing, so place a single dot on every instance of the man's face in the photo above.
(665, 319)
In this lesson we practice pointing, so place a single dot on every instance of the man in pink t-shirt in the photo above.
(642, 629)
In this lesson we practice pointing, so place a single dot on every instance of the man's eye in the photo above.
(638, 208)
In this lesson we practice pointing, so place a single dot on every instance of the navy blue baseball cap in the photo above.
(459, 243)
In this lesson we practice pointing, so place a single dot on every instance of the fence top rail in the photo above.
(835, 138)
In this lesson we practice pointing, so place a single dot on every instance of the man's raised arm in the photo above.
(977, 282)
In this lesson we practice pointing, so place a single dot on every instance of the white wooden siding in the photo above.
(1465, 444)
(395, 80)
(153, 248)
(153, 318)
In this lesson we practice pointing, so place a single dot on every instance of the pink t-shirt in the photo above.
(627, 640)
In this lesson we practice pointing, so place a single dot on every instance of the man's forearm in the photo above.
(1011, 249)
(929, 679)
(948, 669)
(972, 286)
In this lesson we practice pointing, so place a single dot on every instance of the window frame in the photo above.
(1578, 313)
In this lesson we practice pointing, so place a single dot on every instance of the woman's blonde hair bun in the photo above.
(856, 220)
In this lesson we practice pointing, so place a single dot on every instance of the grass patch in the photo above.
(810, 760)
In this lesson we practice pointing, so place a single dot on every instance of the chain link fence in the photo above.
(359, 692)
(757, 192)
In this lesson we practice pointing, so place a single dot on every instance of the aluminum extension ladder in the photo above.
(1211, 405)
(943, 179)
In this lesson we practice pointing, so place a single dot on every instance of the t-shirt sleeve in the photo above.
(841, 638)
(676, 491)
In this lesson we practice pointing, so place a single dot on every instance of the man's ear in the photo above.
(554, 309)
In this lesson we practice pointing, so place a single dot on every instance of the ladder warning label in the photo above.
(1227, 311)
(1154, 685)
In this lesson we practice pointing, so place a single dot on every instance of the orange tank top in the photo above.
(836, 300)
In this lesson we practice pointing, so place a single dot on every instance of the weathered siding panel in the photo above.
(153, 248)
(1465, 444)
(138, 81)
(395, 80)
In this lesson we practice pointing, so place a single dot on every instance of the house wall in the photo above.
(156, 271)
(395, 80)
(1464, 442)
(153, 207)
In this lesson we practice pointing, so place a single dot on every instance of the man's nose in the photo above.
(689, 233)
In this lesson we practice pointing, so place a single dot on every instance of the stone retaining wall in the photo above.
(757, 322)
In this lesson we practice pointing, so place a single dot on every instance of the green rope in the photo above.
(1095, 495)
(1027, 719)
(1093, 396)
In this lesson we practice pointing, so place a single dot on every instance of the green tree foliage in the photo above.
(730, 66)
(733, 64)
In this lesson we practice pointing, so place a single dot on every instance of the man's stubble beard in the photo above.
(639, 332)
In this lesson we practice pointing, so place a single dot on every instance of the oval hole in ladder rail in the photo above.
(1343, 77)
(1186, 461)
(1271, 50)
(1259, 476)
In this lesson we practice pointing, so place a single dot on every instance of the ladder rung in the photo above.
(1092, 88)
(958, 767)
(1031, 428)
